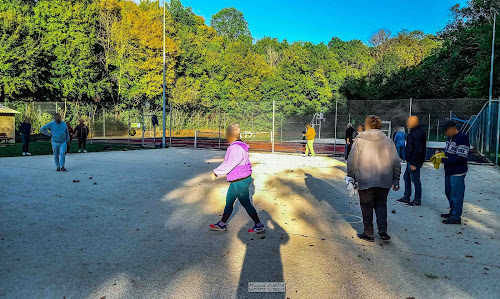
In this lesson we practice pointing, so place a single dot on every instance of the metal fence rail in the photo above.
(484, 131)
(133, 121)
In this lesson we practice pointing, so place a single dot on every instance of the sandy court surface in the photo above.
(142, 231)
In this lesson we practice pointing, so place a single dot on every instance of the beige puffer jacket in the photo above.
(374, 161)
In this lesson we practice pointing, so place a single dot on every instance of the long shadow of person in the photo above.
(342, 204)
(262, 261)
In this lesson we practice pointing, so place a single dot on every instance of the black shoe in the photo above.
(58, 169)
(63, 169)
(363, 236)
(414, 204)
(446, 215)
(403, 200)
(452, 221)
(384, 236)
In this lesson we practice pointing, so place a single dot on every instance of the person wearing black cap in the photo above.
(455, 168)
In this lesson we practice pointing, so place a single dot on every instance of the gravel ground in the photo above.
(139, 229)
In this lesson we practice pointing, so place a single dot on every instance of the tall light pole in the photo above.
(492, 58)
(164, 97)
(490, 98)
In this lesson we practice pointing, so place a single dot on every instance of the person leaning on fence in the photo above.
(310, 135)
(455, 168)
(416, 146)
(59, 137)
(25, 130)
(82, 131)
(375, 165)
(400, 141)
(348, 139)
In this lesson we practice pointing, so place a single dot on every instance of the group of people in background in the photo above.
(61, 135)
(374, 165)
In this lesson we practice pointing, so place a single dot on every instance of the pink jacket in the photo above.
(236, 163)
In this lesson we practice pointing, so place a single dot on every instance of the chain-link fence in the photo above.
(484, 130)
(264, 124)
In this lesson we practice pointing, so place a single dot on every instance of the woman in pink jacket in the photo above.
(238, 169)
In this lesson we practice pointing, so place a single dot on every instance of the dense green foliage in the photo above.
(110, 51)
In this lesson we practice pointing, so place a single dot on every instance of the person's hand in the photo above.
(413, 167)
(395, 187)
(213, 176)
(437, 152)
(348, 143)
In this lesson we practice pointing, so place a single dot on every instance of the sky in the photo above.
(320, 20)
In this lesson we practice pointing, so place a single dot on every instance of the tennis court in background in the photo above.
(328, 146)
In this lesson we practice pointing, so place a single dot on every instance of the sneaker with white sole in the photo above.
(24, 154)
(256, 229)
(79, 151)
(218, 227)
(28, 154)
(84, 151)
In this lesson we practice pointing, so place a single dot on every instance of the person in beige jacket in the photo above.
(375, 165)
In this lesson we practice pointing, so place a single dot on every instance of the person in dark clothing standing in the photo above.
(82, 131)
(455, 168)
(25, 130)
(348, 139)
(415, 158)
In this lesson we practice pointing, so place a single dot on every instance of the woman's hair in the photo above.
(374, 121)
(234, 130)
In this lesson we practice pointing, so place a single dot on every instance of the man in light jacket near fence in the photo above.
(59, 136)
(375, 165)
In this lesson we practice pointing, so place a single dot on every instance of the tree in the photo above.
(231, 24)
(380, 37)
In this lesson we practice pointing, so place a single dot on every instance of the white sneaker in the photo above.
(84, 151)
(28, 154)
(24, 154)
(79, 151)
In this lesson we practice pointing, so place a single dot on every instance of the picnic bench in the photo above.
(4, 137)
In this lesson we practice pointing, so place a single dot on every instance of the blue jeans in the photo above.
(413, 176)
(26, 143)
(59, 153)
(401, 152)
(454, 187)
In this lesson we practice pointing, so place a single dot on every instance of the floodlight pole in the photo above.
(490, 98)
(164, 96)
(491, 88)
(492, 59)
(272, 134)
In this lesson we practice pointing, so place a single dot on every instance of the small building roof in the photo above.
(4, 109)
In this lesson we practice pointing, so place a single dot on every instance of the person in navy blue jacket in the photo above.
(455, 168)
(416, 145)
(25, 130)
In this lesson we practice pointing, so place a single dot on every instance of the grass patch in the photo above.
(45, 148)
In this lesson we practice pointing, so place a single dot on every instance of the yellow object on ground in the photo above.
(310, 146)
(436, 159)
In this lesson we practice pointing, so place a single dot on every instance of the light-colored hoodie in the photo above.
(374, 161)
(59, 131)
(236, 163)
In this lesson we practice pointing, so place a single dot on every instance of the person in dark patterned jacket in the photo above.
(455, 167)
